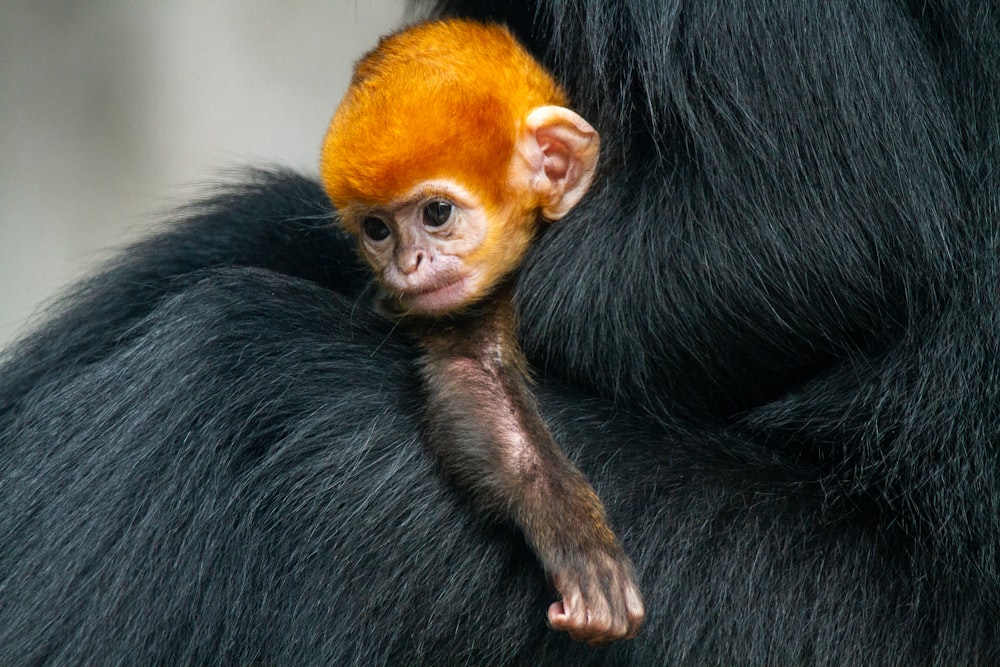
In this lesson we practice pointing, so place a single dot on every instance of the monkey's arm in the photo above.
(484, 425)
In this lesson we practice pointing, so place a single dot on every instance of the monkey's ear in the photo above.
(556, 158)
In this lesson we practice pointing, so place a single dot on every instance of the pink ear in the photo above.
(556, 158)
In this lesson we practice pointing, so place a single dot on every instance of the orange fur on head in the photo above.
(442, 99)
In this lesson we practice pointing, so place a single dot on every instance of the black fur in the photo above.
(769, 336)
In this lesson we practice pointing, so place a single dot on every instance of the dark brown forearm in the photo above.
(484, 424)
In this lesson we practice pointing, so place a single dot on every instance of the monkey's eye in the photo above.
(375, 228)
(437, 212)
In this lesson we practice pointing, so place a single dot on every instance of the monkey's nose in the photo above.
(411, 261)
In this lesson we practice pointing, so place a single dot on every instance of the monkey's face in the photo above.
(437, 248)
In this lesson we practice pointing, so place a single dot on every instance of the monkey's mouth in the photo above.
(438, 299)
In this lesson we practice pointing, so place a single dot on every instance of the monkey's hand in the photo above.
(601, 602)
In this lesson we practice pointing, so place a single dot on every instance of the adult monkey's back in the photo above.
(769, 342)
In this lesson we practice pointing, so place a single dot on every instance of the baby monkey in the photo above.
(450, 150)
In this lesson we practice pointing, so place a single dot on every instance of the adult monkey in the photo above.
(774, 356)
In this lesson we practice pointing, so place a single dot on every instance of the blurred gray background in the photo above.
(111, 112)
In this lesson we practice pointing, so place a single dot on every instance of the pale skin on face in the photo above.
(420, 242)
(431, 248)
